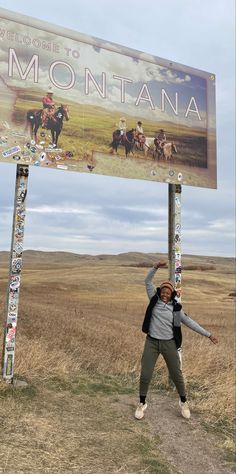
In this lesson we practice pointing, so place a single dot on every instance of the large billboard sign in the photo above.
(74, 102)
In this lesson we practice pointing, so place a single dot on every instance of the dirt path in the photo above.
(185, 443)
(77, 428)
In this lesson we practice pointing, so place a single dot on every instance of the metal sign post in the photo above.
(14, 273)
(174, 241)
(174, 237)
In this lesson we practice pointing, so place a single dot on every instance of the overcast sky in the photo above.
(94, 214)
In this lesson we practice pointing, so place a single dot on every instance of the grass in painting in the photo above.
(90, 129)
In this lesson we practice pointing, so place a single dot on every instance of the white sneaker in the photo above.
(139, 413)
(185, 411)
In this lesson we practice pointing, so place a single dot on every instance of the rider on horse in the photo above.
(139, 134)
(122, 128)
(48, 107)
(160, 140)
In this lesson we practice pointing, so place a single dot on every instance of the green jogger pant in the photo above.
(152, 349)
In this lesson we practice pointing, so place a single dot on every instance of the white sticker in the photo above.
(11, 151)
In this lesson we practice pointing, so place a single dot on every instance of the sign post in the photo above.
(174, 237)
(174, 242)
(14, 273)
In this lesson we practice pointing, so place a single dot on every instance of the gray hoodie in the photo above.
(161, 325)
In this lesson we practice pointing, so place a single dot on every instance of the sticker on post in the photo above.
(11, 332)
(16, 265)
(15, 283)
(9, 365)
(18, 249)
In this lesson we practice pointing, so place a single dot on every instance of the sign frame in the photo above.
(194, 162)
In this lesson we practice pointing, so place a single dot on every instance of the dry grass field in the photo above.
(79, 343)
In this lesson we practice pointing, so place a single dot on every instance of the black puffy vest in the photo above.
(176, 318)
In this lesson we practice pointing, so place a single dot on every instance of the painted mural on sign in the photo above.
(74, 102)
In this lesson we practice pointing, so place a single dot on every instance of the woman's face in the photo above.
(165, 294)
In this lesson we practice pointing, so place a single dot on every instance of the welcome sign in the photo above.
(78, 103)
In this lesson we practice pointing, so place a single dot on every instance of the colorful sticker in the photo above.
(18, 249)
(11, 331)
(9, 364)
(10, 346)
(178, 269)
(16, 265)
(11, 151)
(177, 201)
(15, 283)
(12, 317)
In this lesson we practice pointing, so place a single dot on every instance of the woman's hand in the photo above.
(213, 339)
(160, 265)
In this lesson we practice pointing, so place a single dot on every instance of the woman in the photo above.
(162, 324)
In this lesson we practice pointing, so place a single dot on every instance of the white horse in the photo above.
(148, 145)
(168, 150)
